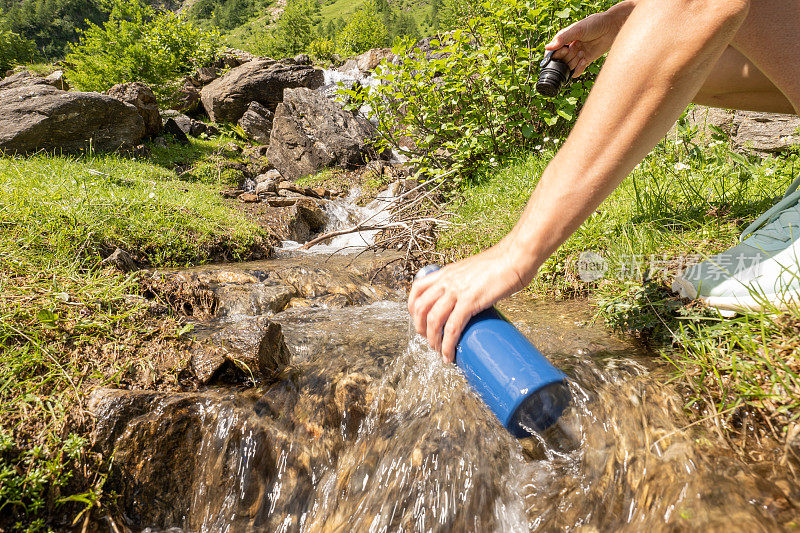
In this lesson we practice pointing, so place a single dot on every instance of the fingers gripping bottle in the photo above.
(518, 384)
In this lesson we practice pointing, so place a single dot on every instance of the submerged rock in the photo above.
(253, 344)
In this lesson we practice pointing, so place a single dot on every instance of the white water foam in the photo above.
(345, 213)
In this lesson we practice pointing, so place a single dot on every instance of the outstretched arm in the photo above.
(657, 63)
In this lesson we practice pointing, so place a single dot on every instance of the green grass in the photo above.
(682, 203)
(68, 326)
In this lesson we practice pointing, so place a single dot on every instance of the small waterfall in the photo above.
(345, 213)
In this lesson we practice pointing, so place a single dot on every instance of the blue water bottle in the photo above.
(513, 378)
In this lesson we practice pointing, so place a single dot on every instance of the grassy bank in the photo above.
(69, 325)
(681, 204)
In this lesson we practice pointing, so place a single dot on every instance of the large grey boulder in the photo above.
(263, 80)
(41, 117)
(311, 132)
(142, 98)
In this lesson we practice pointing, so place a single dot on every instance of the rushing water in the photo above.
(372, 432)
(343, 213)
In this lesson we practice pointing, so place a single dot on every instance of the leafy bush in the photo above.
(474, 99)
(322, 49)
(14, 50)
(139, 44)
(364, 30)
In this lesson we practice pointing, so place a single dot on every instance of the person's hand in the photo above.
(442, 303)
(585, 41)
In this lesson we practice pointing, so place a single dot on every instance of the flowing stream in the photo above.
(368, 430)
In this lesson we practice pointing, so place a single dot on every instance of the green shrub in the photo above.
(139, 44)
(14, 50)
(474, 101)
(364, 30)
(322, 49)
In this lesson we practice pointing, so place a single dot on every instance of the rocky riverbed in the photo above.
(320, 412)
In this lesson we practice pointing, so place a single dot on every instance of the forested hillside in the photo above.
(269, 27)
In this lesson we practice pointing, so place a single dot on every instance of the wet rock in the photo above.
(254, 344)
(306, 219)
(41, 117)
(253, 299)
(120, 260)
(310, 132)
(312, 213)
(226, 99)
(211, 461)
(172, 127)
(257, 122)
(142, 98)
(248, 198)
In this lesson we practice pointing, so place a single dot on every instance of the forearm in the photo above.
(659, 60)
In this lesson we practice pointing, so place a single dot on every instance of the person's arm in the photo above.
(657, 63)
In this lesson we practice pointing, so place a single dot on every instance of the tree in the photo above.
(232, 13)
(294, 30)
(53, 24)
(365, 30)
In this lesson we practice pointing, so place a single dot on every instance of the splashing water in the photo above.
(370, 431)
(343, 213)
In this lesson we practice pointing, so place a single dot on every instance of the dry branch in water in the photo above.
(409, 224)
